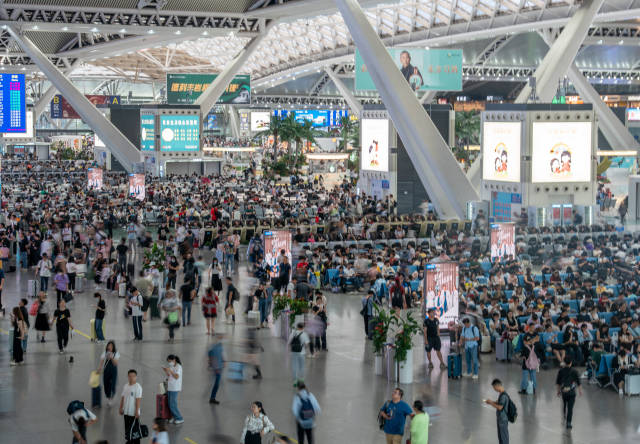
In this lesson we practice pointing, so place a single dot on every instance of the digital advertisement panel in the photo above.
(136, 186)
(441, 288)
(318, 117)
(274, 243)
(184, 89)
(13, 105)
(503, 240)
(501, 151)
(424, 69)
(25, 134)
(179, 133)
(260, 120)
(147, 132)
(94, 179)
(61, 109)
(561, 152)
(375, 144)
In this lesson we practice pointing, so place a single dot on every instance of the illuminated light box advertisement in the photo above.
(136, 186)
(260, 120)
(318, 117)
(147, 132)
(503, 241)
(633, 114)
(94, 179)
(179, 133)
(184, 89)
(441, 288)
(424, 69)
(61, 109)
(28, 134)
(13, 107)
(375, 144)
(274, 242)
(561, 152)
(501, 151)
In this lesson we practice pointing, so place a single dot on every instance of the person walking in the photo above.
(215, 276)
(367, 311)
(305, 408)
(567, 382)
(209, 309)
(19, 328)
(216, 363)
(22, 305)
(501, 411)
(171, 307)
(232, 296)
(130, 402)
(395, 412)
(256, 425)
(159, 434)
(43, 325)
(298, 340)
(79, 419)
(173, 370)
(136, 302)
(530, 363)
(470, 335)
(44, 271)
(109, 368)
(101, 310)
(187, 295)
(61, 282)
(62, 319)
(419, 424)
(431, 330)
(122, 250)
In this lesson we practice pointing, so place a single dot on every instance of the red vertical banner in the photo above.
(441, 290)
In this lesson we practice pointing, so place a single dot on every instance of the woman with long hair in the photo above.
(173, 370)
(256, 425)
(209, 309)
(109, 369)
(19, 329)
(42, 317)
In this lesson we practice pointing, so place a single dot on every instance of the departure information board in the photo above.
(13, 109)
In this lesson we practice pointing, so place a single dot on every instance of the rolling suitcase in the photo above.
(79, 283)
(162, 407)
(485, 346)
(32, 288)
(454, 366)
(96, 397)
(253, 318)
(632, 384)
(503, 348)
(235, 371)
(154, 311)
(92, 330)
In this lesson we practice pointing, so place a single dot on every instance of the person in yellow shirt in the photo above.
(419, 424)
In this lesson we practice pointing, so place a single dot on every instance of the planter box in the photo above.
(405, 369)
(378, 365)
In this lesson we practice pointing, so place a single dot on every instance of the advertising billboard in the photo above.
(260, 120)
(147, 132)
(94, 179)
(319, 117)
(561, 152)
(28, 134)
(136, 186)
(61, 109)
(375, 144)
(274, 243)
(441, 288)
(424, 69)
(633, 114)
(13, 105)
(501, 151)
(184, 89)
(503, 240)
(179, 133)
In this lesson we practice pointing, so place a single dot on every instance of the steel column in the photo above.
(126, 153)
(44, 101)
(563, 52)
(234, 121)
(354, 104)
(428, 96)
(441, 175)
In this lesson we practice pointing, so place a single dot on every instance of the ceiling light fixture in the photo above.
(65, 28)
(94, 29)
(151, 31)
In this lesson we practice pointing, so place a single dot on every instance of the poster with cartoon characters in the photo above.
(561, 152)
(441, 288)
(375, 145)
(503, 240)
(274, 243)
(137, 186)
(501, 145)
(94, 179)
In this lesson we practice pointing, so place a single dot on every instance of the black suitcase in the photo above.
(96, 397)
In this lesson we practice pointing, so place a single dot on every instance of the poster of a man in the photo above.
(410, 72)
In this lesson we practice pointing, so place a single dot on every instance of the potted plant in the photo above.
(380, 326)
(298, 307)
(154, 256)
(280, 305)
(403, 347)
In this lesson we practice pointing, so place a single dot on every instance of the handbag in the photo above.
(381, 419)
(172, 317)
(229, 311)
(94, 379)
(162, 388)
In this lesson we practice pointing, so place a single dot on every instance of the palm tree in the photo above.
(349, 133)
(275, 125)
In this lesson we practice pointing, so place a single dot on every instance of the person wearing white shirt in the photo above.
(130, 408)
(173, 370)
(160, 434)
(298, 340)
(135, 302)
(44, 271)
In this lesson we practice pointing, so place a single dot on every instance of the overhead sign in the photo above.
(424, 69)
(147, 132)
(503, 241)
(137, 186)
(374, 153)
(319, 117)
(441, 288)
(501, 151)
(274, 243)
(561, 152)
(186, 88)
(260, 120)
(61, 109)
(13, 106)
(28, 134)
(179, 133)
(94, 179)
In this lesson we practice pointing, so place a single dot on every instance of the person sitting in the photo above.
(620, 366)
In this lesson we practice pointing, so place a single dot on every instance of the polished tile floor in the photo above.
(33, 397)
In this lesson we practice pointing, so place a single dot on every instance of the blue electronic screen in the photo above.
(319, 117)
(13, 109)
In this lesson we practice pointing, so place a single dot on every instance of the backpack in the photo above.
(512, 410)
(235, 295)
(33, 311)
(306, 410)
(296, 343)
(74, 406)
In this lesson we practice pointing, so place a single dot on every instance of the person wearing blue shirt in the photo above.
(305, 408)
(395, 413)
(471, 336)
(216, 363)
